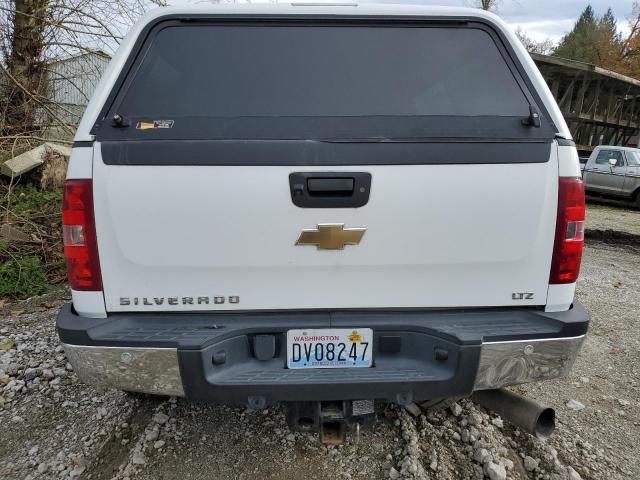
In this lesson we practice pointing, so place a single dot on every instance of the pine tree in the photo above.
(579, 43)
(608, 42)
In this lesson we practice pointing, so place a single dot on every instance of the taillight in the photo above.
(79, 234)
(567, 249)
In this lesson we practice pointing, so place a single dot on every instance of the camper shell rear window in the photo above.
(320, 81)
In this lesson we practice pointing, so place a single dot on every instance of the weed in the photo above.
(27, 199)
(31, 259)
(23, 277)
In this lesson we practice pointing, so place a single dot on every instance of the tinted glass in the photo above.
(633, 158)
(604, 156)
(322, 71)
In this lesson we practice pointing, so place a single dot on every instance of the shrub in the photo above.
(22, 277)
(31, 259)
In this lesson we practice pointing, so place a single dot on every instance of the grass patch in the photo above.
(31, 261)
(29, 200)
(23, 277)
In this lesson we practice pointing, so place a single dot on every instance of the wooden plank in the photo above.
(555, 86)
(573, 65)
(596, 99)
(565, 102)
(609, 105)
(598, 119)
(622, 104)
(582, 93)
(609, 133)
(632, 110)
(618, 137)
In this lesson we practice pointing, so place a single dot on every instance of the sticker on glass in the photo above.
(156, 124)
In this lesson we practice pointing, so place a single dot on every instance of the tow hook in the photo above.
(332, 420)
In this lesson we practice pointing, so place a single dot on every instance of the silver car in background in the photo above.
(614, 172)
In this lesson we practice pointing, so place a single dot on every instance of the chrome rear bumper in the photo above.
(146, 370)
(157, 370)
(522, 361)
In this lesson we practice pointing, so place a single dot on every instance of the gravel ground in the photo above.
(51, 426)
(603, 215)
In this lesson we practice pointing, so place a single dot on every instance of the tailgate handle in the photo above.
(330, 186)
(330, 189)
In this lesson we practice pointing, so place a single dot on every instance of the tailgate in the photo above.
(436, 236)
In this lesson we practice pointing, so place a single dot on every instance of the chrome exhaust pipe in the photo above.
(536, 419)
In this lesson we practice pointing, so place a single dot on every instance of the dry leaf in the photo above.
(7, 345)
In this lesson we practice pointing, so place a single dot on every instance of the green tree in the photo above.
(593, 39)
(579, 43)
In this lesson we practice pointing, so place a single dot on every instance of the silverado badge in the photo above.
(331, 236)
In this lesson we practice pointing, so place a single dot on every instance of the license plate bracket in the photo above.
(330, 348)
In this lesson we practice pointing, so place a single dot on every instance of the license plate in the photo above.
(329, 348)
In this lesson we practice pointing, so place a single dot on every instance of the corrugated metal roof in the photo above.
(71, 82)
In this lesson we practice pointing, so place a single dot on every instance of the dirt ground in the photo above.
(51, 426)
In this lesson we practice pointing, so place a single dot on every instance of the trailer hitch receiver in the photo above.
(331, 419)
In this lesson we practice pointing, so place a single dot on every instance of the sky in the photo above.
(541, 19)
(553, 18)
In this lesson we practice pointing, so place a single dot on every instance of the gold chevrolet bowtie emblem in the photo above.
(331, 236)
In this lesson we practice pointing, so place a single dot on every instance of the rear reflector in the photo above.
(567, 249)
(79, 235)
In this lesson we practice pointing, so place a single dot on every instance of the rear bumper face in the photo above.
(522, 361)
(147, 370)
(210, 357)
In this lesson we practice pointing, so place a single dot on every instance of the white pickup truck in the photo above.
(323, 205)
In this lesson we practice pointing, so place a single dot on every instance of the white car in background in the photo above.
(614, 172)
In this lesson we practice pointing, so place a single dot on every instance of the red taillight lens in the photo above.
(567, 249)
(79, 235)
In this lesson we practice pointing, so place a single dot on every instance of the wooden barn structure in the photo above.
(601, 107)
